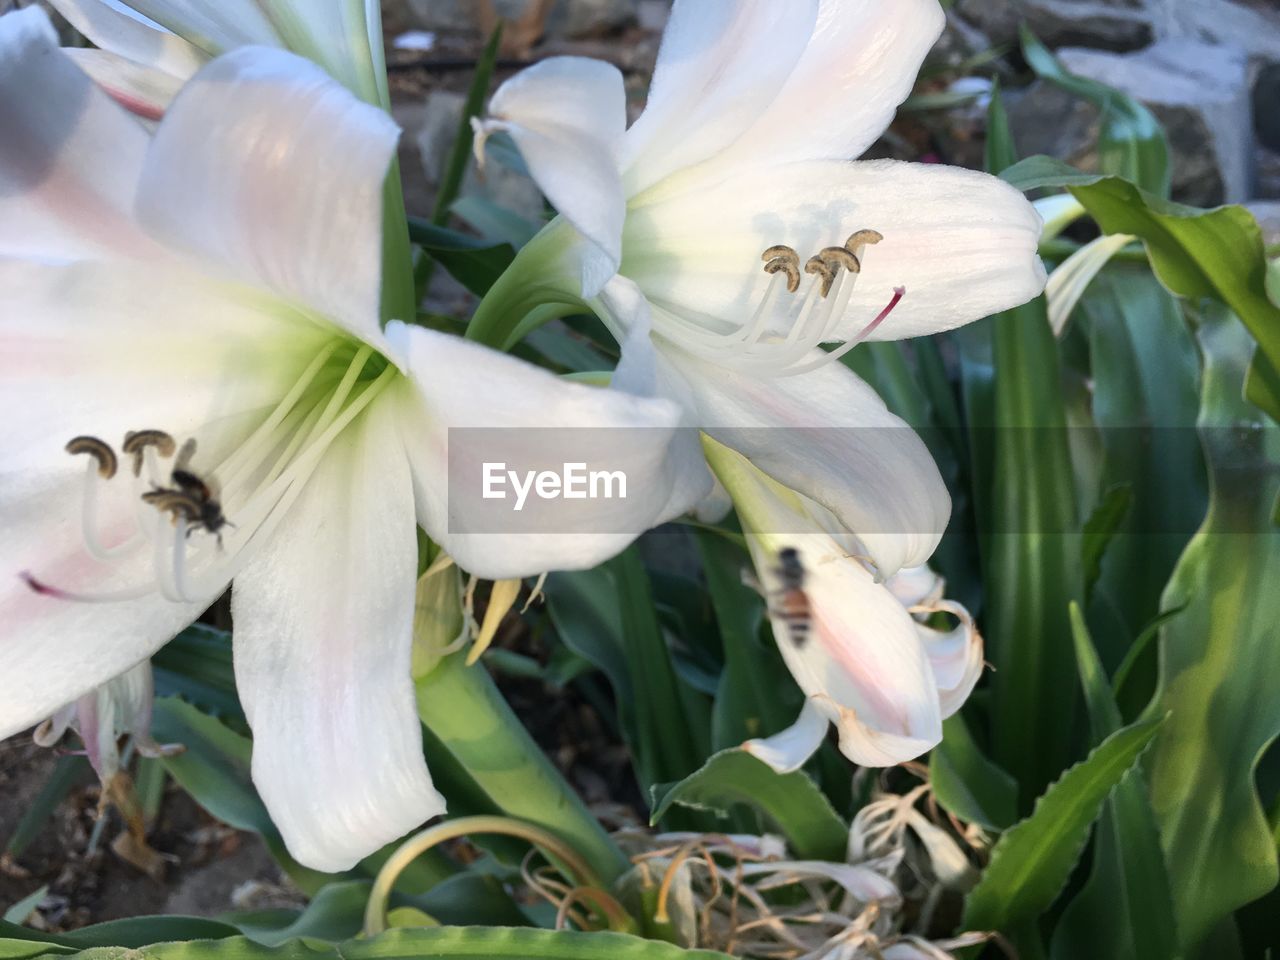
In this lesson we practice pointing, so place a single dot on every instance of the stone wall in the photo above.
(1208, 69)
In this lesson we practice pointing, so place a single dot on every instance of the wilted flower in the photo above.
(100, 717)
(728, 231)
(195, 317)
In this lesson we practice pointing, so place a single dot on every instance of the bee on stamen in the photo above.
(191, 498)
(782, 259)
(819, 267)
(106, 457)
(137, 441)
(792, 603)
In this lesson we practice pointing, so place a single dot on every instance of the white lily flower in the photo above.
(146, 49)
(859, 650)
(219, 283)
(743, 149)
(100, 717)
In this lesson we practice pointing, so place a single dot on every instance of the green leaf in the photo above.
(1025, 504)
(1220, 657)
(1125, 909)
(1131, 142)
(1100, 529)
(455, 168)
(967, 783)
(473, 262)
(196, 666)
(130, 933)
(432, 943)
(1146, 381)
(215, 770)
(1031, 863)
(1041, 172)
(1216, 254)
(790, 801)
(19, 912)
(1032, 553)
(447, 943)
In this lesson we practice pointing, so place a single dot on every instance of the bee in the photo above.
(792, 603)
(189, 498)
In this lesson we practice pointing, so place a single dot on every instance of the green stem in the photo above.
(534, 280)
(463, 708)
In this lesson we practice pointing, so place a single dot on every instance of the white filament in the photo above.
(184, 572)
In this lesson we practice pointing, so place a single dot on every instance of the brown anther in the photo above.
(137, 441)
(95, 448)
(863, 238)
(781, 252)
(839, 256)
(792, 270)
(820, 267)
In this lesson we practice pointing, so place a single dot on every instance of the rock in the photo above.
(1046, 119)
(1113, 25)
(1249, 25)
(1266, 168)
(960, 41)
(568, 18)
(1200, 93)
(1266, 106)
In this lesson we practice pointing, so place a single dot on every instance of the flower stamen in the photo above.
(264, 475)
(136, 443)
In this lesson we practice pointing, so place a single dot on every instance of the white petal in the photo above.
(721, 63)
(963, 244)
(324, 621)
(214, 26)
(862, 882)
(790, 749)
(567, 116)
(955, 655)
(468, 405)
(1071, 279)
(69, 157)
(861, 62)
(143, 91)
(116, 28)
(265, 165)
(100, 349)
(862, 663)
(915, 586)
(829, 436)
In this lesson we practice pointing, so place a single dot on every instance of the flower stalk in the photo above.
(463, 708)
